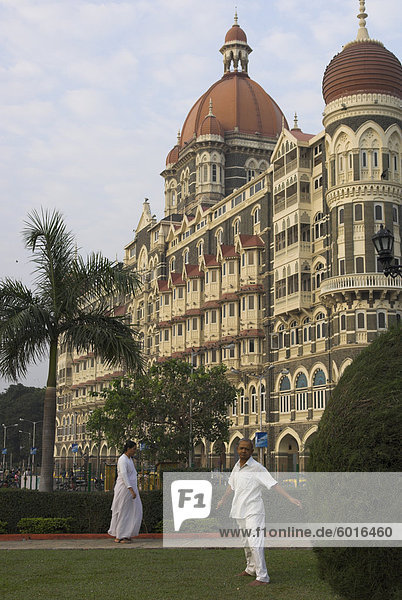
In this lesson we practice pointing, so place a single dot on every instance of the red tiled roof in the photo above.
(210, 260)
(299, 135)
(211, 304)
(178, 319)
(163, 324)
(231, 296)
(252, 287)
(177, 279)
(251, 241)
(193, 271)
(211, 344)
(177, 354)
(192, 312)
(163, 285)
(229, 251)
(120, 311)
(252, 333)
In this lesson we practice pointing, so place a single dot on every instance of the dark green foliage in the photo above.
(153, 408)
(360, 431)
(18, 402)
(3, 527)
(90, 512)
(45, 525)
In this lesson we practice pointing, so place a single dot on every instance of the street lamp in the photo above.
(5, 427)
(34, 423)
(383, 242)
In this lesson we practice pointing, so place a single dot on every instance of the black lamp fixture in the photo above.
(383, 242)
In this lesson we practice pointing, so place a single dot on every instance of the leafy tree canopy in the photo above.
(154, 409)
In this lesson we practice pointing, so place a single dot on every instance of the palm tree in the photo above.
(70, 302)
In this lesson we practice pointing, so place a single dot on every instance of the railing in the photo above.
(358, 281)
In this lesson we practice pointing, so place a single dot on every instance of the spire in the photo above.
(178, 138)
(362, 33)
(235, 17)
(295, 122)
(210, 114)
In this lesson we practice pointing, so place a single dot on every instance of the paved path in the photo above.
(78, 544)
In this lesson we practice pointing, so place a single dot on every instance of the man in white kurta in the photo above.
(248, 480)
(127, 505)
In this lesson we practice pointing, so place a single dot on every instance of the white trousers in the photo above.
(254, 545)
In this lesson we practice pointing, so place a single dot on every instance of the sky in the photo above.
(92, 94)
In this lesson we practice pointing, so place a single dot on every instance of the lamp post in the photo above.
(5, 427)
(34, 424)
(383, 242)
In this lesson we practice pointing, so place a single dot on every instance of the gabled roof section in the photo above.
(163, 285)
(176, 279)
(250, 241)
(226, 251)
(191, 271)
(210, 260)
(146, 217)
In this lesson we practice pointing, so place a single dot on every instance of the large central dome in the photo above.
(239, 103)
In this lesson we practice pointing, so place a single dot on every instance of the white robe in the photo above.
(126, 511)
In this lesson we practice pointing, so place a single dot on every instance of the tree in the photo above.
(21, 402)
(360, 431)
(154, 408)
(70, 302)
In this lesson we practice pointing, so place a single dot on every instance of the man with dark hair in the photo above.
(247, 480)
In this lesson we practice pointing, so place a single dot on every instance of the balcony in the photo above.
(359, 281)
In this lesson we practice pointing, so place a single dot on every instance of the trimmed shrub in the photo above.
(3, 527)
(360, 431)
(49, 525)
(90, 511)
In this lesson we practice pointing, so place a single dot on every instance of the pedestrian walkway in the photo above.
(78, 543)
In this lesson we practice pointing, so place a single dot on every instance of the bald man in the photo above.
(247, 481)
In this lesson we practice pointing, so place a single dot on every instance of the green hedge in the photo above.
(48, 525)
(90, 511)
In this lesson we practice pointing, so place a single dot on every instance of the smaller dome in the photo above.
(173, 156)
(211, 126)
(235, 34)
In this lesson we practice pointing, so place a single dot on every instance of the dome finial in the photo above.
(235, 17)
(210, 114)
(295, 122)
(362, 33)
(178, 138)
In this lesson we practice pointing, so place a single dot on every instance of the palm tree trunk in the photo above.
(49, 424)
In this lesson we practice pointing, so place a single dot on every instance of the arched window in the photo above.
(320, 326)
(319, 275)
(306, 330)
(219, 234)
(234, 407)
(214, 176)
(358, 212)
(253, 397)
(341, 216)
(318, 225)
(263, 398)
(381, 319)
(242, 401)
(172, 265)
(319, 380)
(301, 396)
(256, 216)
(186, 257)
(284, 396)
(361, 320)
(294, 333)
(201, 248)
(236, 227)
(359, 264)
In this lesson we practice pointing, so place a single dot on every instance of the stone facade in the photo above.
(264, 262)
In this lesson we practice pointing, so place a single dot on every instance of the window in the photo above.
(195, 323)
(251, 302)
(301, 397)
(253, 398)
(359, 264)
(263, 396)
(378, 212)
(319, 394)
(341, 216)
(213, 316)
(213, 356)
(172, 264)
(256, 216)
(195, 285)
(284, 397)
(166, 335)
(234, 408)
(375, 158)
(341, 266)
(250, 257)
(342, 322)
(395, 214)
(318, 183)
(167, 299)
(232, 312)
(320, 326)
(180, 329)
(318, 225)
(381, 320)
(186, 257)
(231, 267)
(242, 402)
(236, 227)
(251, 346)
(360, 320)
(214, 178)
(306, 330)
(364, 159)
(358, 212)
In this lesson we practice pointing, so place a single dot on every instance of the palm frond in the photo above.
(52, 246)
(107, 337)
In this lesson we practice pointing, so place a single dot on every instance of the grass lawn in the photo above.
(166, 574)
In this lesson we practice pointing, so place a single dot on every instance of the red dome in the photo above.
(238, 102)
(362, 66)
(211, 126)
(173, 156)
(235, 34)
